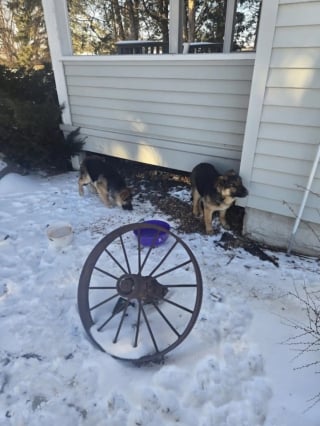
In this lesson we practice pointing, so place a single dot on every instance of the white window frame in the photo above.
(59, 23)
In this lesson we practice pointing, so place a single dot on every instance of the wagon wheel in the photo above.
(138, 303)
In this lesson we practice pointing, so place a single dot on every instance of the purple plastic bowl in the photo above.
(151, 236)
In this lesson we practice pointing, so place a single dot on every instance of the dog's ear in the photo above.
(218, 188)
(222, 179)
(230, 173)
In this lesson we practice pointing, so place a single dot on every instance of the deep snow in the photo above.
(233, 369)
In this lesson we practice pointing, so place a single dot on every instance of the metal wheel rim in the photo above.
(85, 288)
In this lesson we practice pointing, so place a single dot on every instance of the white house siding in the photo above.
(167, 110)
(289, 130)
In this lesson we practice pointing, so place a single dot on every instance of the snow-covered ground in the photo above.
(233, 369)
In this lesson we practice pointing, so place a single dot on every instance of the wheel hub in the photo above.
(147, 289)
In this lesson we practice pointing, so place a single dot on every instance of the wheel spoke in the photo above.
(135, 343)
(149, 251)
(102, 288)
(106, 322)
(180, 285)
(166, 319)
(164, 258)
(115, 260)
(103, 302)
(121, 321)
(181, 265)
(177, 305)
(125, 254)
(139, 250)
(105, 273)
(149, 329)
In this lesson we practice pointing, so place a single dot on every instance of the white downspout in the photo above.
(304, 200)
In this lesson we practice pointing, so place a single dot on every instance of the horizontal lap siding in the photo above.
(180, 112)
(290, 123)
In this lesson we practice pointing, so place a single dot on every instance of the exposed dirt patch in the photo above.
(162, 186)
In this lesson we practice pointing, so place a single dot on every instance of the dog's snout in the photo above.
(127, 206)
(242, 192)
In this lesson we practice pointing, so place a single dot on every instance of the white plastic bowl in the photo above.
(59, 234)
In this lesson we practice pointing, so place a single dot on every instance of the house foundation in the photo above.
(275, 230)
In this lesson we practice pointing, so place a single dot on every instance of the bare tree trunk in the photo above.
(8, 48)
(160, 15)
(133, 19)
(191, 19)
(118, 20)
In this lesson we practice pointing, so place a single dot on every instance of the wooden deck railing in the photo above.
(141, 47)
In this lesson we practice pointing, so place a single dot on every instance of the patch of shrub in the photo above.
(30, 116)
(306, 339)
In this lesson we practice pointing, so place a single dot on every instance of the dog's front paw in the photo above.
(196, 213)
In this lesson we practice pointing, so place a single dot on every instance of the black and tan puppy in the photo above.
(214, 192)
(106, 181)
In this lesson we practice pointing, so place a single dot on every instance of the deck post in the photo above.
(175, 26)
(60, 44)
(228, 28)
